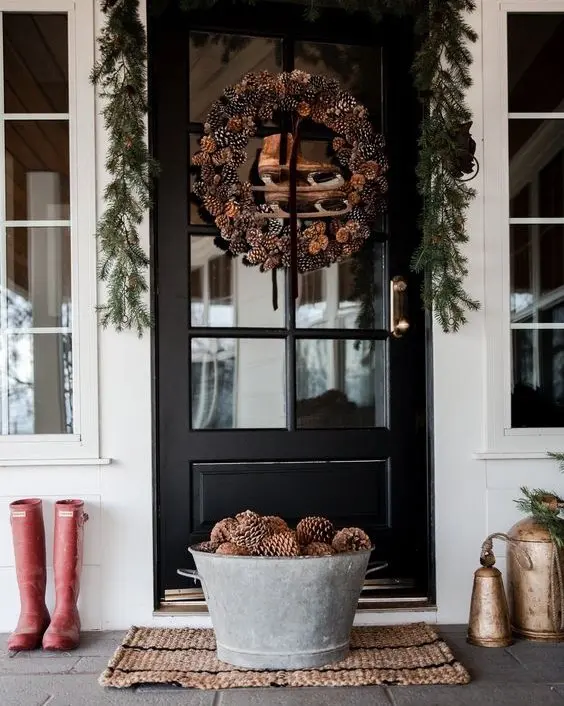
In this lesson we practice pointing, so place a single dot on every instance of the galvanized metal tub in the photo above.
(281, 612)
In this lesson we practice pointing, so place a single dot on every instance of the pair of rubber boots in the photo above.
(318, 193)
(35, 626)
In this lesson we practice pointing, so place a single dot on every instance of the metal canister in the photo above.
(535, 592)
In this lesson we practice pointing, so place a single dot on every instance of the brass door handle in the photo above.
(399, 324)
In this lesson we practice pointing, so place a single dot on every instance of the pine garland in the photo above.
(442, 76)
(121, 76)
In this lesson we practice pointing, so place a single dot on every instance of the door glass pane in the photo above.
(37, 170)
(358, 69)
(220, 60)
(330, 297)
(535, 55)
(38, 277)
(238, 383)
(536, 168)
(39, 384)
(35, 63)
(340, 383)
(225, 292)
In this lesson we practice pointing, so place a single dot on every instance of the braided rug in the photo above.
(399, 654)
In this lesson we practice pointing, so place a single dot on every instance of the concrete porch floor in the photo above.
(524, 674)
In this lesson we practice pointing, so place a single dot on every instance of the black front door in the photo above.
(301, 409)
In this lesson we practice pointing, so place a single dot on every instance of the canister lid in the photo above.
(528, 530)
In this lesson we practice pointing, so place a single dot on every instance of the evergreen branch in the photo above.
(536, 503)
(442, 74)
(121, 78)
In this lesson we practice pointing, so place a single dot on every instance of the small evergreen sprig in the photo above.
(121, 77)
(545, 505)
(539, 503)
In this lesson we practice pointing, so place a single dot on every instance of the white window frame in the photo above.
(82, 446)
(500, 440)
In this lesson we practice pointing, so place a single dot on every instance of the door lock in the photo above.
(399, 324)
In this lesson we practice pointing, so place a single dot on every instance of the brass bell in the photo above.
(488, 625)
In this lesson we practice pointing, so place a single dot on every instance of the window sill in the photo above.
(54, 462)
(510, 455)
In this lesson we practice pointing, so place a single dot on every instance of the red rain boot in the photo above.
(28, 531)
(64, 631)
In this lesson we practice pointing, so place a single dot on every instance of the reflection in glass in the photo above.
(224, 292)
(39, 384)
(340, 384)
(357, 68)
(538, 378)
(238, 383)
(537, 273)
(37, 170)
(536, 168)
(220, 60)
(38, 290)
(35, 62)
(535, 54)
(328, 297)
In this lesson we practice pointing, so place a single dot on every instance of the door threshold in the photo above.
(381, 606)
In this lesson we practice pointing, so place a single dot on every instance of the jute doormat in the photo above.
(399, 654)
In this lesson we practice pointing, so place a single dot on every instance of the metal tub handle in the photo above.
(376, 566)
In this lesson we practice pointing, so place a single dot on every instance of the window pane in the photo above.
(535, 55)
(220, 60)
(536, 168)
(225, 292)
(329, 297)
(238, 383)
(537, 274)
(358, 69)
(35, 63)
(38, 277)
(538, 378)
(39, 384)
(37, 170)
(340, 384)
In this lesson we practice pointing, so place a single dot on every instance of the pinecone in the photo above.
(238, 246)
(319, 549)
(208, 144)
(250, 532)
(222, 530)
(343, 235)
(213, 205)
(351, 539)
(358, 181)
(314, 529)
(371, 170)
(281, 544)
(208, 547)
(256, 255)
(229, 175)
(277, 524)
(231, 209)
(232, 549)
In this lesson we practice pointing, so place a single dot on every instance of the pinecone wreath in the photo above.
(282, 544)
(351, 539)
(315, 529)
